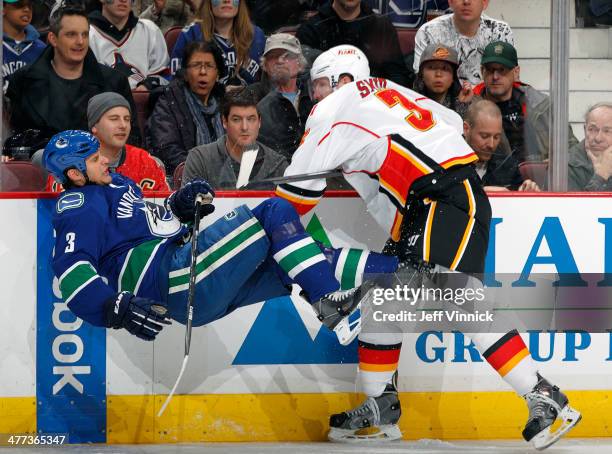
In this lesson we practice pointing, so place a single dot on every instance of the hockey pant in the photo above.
(250, 256)
(450, 229)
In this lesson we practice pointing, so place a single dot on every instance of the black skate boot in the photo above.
(381, 413)
(340, 311)
(547, 403)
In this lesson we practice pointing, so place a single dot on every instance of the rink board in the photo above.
(268, 372)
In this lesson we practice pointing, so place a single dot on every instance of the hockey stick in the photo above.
(201, 199)
(291, 178)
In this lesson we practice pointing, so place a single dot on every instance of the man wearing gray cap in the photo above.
(109, 119)
(283, 101)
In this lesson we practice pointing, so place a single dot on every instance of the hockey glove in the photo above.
(142, 317)
(182, 202)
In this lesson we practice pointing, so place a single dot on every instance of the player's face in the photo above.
(484, 136)
(17, 15)
(72, 40)
(113, 128)
(201, 74)
(437, 76)
(281, 66)
(242, 125)
(97, 169)
(598, 130)
(498, 80)
(225, 9)
(321, 88)
(118, 9)
(468, 10)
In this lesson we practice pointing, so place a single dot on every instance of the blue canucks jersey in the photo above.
(108, 239)
(249, 72)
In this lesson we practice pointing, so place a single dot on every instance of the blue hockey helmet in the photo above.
(69, 149)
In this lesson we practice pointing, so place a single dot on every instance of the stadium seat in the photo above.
(171, 36)
(178, 175)
(21, 176)
(141, 99)
(535, 171)
(406, 39)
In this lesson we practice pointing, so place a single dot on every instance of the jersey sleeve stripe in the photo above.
(460, 160)
(136, 264)
(77, 277)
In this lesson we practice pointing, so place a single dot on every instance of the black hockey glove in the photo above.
(182, 202)
(142, 317)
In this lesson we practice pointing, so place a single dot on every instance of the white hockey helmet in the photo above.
(337, 61)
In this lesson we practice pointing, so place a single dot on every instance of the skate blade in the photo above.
(544, 439)
(349, 327)
(389, 432)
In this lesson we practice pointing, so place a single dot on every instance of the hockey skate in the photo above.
(340, 312)
(547, 403)
(374, 420)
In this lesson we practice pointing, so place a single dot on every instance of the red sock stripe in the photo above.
(377, 356)
(505, 352)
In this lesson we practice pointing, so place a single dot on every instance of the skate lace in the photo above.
(341, 295)
(369, 405)
(538, 406)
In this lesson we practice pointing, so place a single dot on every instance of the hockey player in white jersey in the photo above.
(405, 156)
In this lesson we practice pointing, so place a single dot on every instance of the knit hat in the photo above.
(99, 104)
(439, 52)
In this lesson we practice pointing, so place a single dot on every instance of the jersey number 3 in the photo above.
(70, 236)
(418, 118)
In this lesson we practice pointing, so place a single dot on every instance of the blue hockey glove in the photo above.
(142, 317)
(182, 202)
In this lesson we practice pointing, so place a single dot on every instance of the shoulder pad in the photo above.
(69, 200)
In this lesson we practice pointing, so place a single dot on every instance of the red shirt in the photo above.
(136, 164)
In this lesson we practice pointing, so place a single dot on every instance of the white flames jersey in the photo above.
(383, 137)
(140, 54)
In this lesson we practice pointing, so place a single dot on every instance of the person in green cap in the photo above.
(525, 110)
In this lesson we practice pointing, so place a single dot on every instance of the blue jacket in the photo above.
(17, 55)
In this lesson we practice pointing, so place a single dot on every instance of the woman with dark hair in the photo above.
(188, 112)
(437, 78)
(227, 24)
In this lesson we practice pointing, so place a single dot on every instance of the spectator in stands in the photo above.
(482, 129)
(188, 111)
(271, 15)
(109, 119)
(134, 47)
(468, 30)
(590, 161)
(51, 94)
(220, 162)
(525, 110)
(20, 39)
(170, 13)
(353, 22)
(283, 99)
(437, 78)
(226, 23)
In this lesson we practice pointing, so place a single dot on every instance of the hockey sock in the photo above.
(350, 265)
(510, 357)
(294, 250)
(378, 361)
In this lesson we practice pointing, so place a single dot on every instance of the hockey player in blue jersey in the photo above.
(123, 262)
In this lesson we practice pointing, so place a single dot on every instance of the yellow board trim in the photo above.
(304, 417)
(17, 415)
